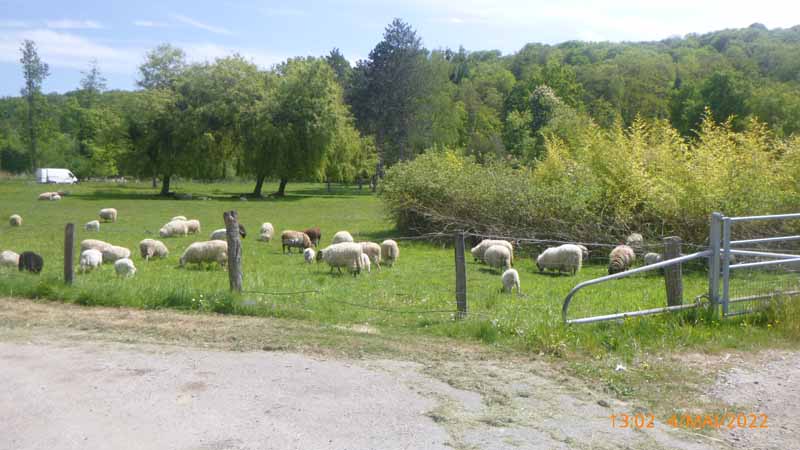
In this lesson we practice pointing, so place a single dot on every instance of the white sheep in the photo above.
(55, 196)
(151, 248)
(183, 218)
(652, 258)
(585, 252)
(372, 250)
(90, 259)
(174, 228)
(220, 234)
(620, 259)
(15, 220)
(365, 264)
(266, 232)
(98, 245)
(389, 252)
(497, 256)
(510, 280)
(309, 255)
(206, 252)
(47, 195)
(564, 258)
(342, 236)
(9, 258)
(479, 250)
(192, 226)
(635, 240)
(108, 214)
(93, 225)
(343, 254)
(125, 268)
(114, 253)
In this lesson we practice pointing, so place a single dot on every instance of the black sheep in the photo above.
(30, 261)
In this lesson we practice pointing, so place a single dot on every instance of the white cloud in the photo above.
(200, 25)
(69, 24)
(149, 24)
(13, 24)
(197, 52)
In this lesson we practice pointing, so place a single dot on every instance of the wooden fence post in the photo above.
(234, 250)
(69, 253)
(461, 277)
(673, 275)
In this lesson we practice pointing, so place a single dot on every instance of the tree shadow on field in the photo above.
(489, 270)
(552, 274)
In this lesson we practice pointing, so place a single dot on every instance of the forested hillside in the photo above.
(320, 118)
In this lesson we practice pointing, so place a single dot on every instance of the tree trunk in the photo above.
(259, 185)
(165, 185)
(282, 188)
(32, 133)
(155, 181)
(328, 181)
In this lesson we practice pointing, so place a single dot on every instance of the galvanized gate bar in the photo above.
(726, 263)
(763, 240)
(766, 263)
(771, 217)
(713, 261)
(765, 254)
(644, 312)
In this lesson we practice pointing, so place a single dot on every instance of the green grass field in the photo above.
(415, 296)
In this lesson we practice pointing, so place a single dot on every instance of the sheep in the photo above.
(652, 258)
(206, 252)
(266, 232)
(192, 226)
(635, 241)
(365, 264)
(151, 248)
(372, 250)
(390, 252)
(498, 256)
(221, 234)
(15, 220)
(566, 258)
(108, 215)
(585, 252)
(93, 225)
(90, 259)
(315, 234)
(174, 228)
(55, 196)
(98, 245)
(30, 262)
(479, 250)
(309, 254)
(114, 253)
(342, 236)
(620, 259)
(9, 258)
(296, 239)
(183, 218)
(125, 268)
(510, 280)
(49, 196)
(343, 254)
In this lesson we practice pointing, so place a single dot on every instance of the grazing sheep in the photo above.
(183, 218)
(108, 215)
(98, 245)
(221, 234)
(343, 254)
(315, 234)
(192, 226)
(389, 252)
(635, 241)
(365, 264)
(93, 225)
(55, 196)
(497, 256)
(372, 250)
(9, 259)
(174, 228)
(114, 253)
(90, 259)
(125, 268)
(620, 259)
(266, 232)
(564, 258)
(652, 258)
(309, 254)
(15, 220)
(510, 280)
(342, 236)
(151, 248)
(49, 196)
(479, 250)
(294, 239)
(585, 252)
(206, 252)
(31, 262)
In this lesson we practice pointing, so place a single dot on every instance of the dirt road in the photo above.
(96, 378)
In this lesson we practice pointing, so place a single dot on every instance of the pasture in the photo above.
(416, 296)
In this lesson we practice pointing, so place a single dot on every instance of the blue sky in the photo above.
(70, 33)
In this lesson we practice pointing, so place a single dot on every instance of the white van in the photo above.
(58, 176)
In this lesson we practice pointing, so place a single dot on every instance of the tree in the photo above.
(34, 71)
(92, 84)
(340, 65)
(162, 67)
